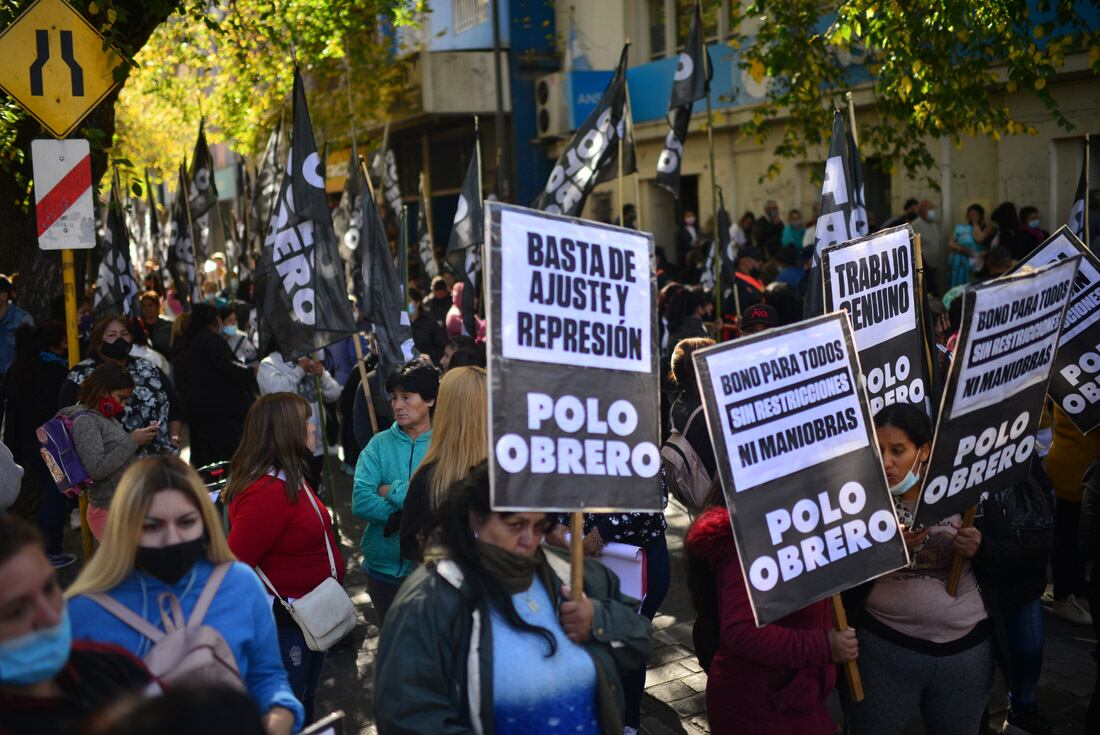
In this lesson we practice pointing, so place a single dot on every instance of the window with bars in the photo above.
(465, 14)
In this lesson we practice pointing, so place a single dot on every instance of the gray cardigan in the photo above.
(105, 449)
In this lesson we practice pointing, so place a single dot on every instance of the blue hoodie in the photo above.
(240, 611)
(390, 458)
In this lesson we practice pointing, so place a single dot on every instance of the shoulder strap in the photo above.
(126, 615)
(691, 419)
(207, 595)
(324, 531)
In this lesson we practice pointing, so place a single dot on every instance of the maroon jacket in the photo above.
(773, 679)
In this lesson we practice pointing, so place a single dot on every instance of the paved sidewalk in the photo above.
(676, 684)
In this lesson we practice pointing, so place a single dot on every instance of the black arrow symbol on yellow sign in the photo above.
(76, 72)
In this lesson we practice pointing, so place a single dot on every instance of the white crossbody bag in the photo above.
(326, 614)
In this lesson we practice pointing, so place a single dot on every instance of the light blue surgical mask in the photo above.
(229, 330)
(1033, 223)
(908, 482)
(38, 656)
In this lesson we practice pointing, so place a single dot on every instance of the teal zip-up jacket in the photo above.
(389, 459)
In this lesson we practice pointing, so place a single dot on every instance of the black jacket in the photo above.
(429, 336)
(213, 383)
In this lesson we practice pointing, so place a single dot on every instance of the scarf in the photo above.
(514, 572)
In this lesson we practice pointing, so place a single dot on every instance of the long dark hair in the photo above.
(910, 419)
(471, 495)
(274, 438)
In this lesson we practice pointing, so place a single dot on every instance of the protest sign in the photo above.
(799, 464)
(985, 436)
(573, 398)
(874, 280)
(1075, 382)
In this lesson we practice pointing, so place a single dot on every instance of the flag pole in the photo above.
(637, 170)
(852, 118)
(713, 192)
(326, 467)
(1085, 213)
(622, 199)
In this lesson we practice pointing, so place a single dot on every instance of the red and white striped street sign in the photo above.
(63, 194)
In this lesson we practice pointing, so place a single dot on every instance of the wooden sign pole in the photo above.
(851, 668)
(576, 555)
(957, 563)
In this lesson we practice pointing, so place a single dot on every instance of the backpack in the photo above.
(59, 454)
(186, 651)
(688, 478)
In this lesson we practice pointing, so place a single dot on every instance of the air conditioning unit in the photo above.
(552, 106)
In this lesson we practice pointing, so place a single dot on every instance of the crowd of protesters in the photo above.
(187, 605)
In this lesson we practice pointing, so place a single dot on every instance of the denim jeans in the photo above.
(658, 578)
(1024, 634)
(303, 666)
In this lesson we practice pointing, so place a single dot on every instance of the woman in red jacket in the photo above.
(773, 679)
(279, 527)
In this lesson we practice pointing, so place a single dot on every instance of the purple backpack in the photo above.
(59, 453)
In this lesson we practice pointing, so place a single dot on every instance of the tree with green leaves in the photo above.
(939, 68)
(230, 61)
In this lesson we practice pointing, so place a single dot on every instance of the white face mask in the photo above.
(909, 481)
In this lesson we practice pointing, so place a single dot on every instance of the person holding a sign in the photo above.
(921, 649)
(489, 639)
(772, 679)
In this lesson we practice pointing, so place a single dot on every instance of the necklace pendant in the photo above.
(532, 606)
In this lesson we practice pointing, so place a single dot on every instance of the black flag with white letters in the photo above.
(467, 237)
(379, 291)
(265, 190)
(181, 249)
(842, 216)
(347, 220)
(691, 82)
(1079, 213)
(116, 290)
(424, 236)
(592, 155)
(202, 193)
(300, 282)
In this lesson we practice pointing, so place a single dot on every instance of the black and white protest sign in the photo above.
(265, 190)
(573, 405)
(1075, 382)
(843, 215)
(799, 464)
(300, 282)
(202, 193)
(591, 157)
(873, 279)
(985, 436)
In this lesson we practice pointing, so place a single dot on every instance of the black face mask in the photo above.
(170, 563)
(117, 350)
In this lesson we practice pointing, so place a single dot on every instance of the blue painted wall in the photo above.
(442, 36)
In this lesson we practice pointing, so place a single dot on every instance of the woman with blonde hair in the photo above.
(279, 526)
(460, 441)
(164, 547)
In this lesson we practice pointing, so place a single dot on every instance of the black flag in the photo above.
(424, 235)
(1079, 213)
(379, 291)
(592, 155)
(265, 189)
(152, 224)
(691, 82)
(347, 220)
(181, 250)
(202, 193)
(300, 282)
(116, 290)
(842, 216)
(467, 237)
